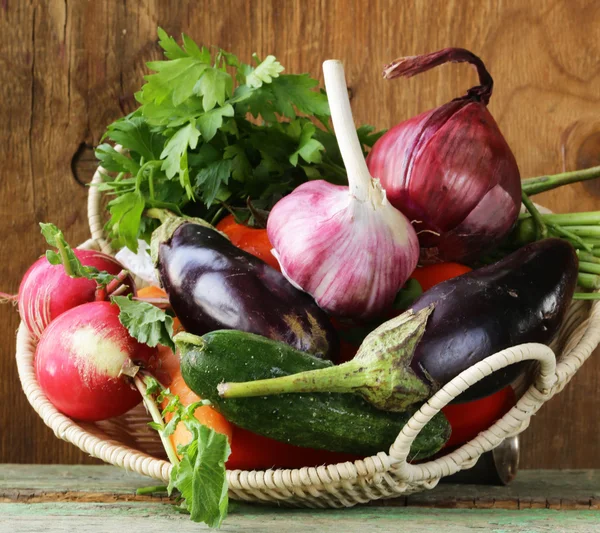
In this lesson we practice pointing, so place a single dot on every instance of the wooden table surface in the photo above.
(70, 67)
(53, 498)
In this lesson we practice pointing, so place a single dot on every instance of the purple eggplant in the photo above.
(211, 284)
(454, 325)
(522, 298)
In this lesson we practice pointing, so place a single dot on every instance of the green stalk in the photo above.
(588, 281)
(586, 218)
(380, 372)
(64, 256)
(540, 184)
(586, 296)
(590, 268)
(156, 489)
(577, 241)
(585, 231)
(542, 230)
(588, 256)
(157, 418)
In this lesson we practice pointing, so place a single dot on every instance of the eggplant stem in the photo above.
(542, 230)
(324, 379)
(546, 183)
(359, 179)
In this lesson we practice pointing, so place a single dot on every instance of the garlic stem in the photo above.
(359, 178)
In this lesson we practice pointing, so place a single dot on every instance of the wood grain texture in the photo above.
(71, 67)
(533, 489)
(157, 518)
(103, 498)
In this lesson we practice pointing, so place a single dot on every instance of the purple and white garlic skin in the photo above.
(348, 247)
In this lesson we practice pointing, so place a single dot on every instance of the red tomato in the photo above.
(431, 275)
(471, 418)
(252, 240)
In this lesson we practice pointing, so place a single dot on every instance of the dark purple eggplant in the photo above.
(211, 284)
(454, 325)
(522, 298)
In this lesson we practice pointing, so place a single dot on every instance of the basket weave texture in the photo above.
(128, 442)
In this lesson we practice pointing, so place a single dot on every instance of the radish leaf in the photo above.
(66, 257)
(145, 322)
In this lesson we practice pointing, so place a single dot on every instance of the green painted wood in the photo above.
(155, 518)
(556, 489)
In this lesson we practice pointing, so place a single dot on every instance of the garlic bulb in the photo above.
(346, 246)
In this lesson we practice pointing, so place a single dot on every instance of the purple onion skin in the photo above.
(450, 170)
(521, 298)
(213, 285)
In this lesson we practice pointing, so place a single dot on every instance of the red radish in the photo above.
(47, 291)
(79, 359)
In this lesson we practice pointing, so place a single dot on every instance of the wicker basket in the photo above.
(128, 442)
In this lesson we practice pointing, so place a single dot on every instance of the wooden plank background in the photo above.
(70, 67)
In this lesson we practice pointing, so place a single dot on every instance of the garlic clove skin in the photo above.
(352, 256)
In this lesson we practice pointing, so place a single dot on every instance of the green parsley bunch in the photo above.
(213, 134)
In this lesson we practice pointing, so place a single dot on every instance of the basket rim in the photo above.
(278, 484)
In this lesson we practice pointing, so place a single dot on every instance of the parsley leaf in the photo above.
(213, 133)
(175, 155)
(212, 180)
(169, 45)
(212, 120)
(297, 91)
(145, 322)
(66, 257)
(309, 148)
(126, 215)
(264, 72)
(215, 86)
(133, 133)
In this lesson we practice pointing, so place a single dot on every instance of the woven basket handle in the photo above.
(95, 212)
(510, 424)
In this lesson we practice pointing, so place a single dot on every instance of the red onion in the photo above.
(346, 246)
(450, 169)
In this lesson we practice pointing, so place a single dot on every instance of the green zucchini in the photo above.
(329, 421)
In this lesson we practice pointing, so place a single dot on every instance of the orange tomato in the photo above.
(151, 292)
(252, 240)
(205, 414)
